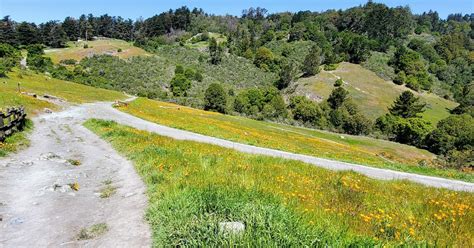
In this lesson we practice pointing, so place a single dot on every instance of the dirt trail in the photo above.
(39, 208)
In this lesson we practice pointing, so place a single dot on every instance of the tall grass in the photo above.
(357, 149)
(192, 187)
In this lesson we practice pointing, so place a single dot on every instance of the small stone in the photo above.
(129, 194)
(48, 111)
(232, 227)
(342, 137)
(27, 163)
(16, 221)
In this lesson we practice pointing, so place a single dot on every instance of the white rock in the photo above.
(232, 227)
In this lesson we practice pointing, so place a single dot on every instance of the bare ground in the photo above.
(39, 205)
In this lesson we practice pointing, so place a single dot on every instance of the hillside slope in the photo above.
(371, 93)
(356, 149)
(76, 50)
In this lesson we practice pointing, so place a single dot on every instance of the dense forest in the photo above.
(248, 66)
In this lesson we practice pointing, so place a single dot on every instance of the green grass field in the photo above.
(357, 149)
(201, 45)
(194, 186)
(373, 94)
(76, 50)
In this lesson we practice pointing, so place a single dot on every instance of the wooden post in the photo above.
(19, 88)
(2, 133)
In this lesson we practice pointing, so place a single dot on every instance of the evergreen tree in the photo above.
(287, 74)
(312, 62)
(407, 106)
(338, 97)
(7, 31)
(215, 51)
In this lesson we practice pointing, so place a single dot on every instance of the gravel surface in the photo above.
(39, 204)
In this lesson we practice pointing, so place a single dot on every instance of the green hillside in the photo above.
(371, 93)
(82, 49)
(358, 149)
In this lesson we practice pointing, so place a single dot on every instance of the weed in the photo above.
(74, 162)
(93, 231)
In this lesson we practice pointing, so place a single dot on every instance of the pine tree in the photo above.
(407, 105)
(215, 51)
(312, 62)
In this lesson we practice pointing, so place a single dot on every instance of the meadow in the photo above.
(192, 187)
(76, 50)
(356, 149)
(371, 93)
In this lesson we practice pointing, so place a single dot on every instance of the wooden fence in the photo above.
(11, 120)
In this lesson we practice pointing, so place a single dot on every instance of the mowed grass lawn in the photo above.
(357, 149)
(76, 50)
(373, 94)
(41, 85)
(194, 186)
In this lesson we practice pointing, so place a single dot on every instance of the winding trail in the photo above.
(39, 208)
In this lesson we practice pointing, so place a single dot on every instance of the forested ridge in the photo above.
(246, 65)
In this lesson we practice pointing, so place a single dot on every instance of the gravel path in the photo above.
(38, 208)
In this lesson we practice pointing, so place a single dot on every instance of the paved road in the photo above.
(105, 111)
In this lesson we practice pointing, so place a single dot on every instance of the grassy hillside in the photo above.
(363, 150)
(373, 94)
(194, 186)
(76, 50)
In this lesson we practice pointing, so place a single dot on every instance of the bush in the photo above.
(86, 46)
(252, 102)
(305, 110)
(330, 67)
(357, 124)
(179, 85)
(338, 82)
(455, 133)
(68, 62)
(119, 50)
(215, 98)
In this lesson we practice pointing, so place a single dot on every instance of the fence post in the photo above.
(2, 133)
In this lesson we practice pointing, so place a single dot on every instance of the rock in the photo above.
(16, 221)
(48, 111)
(129, 194)
(27, 163)
(232, 227)
(342, 137)
(49, 156)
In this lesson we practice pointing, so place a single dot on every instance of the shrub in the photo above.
(453, 133)
(330, 67)
(86, 46)
(338, 82)
(215, 98)
(119, 50)
(68, 62)
(305, 110)
(179, 85)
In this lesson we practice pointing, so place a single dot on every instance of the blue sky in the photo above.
(43, 10)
